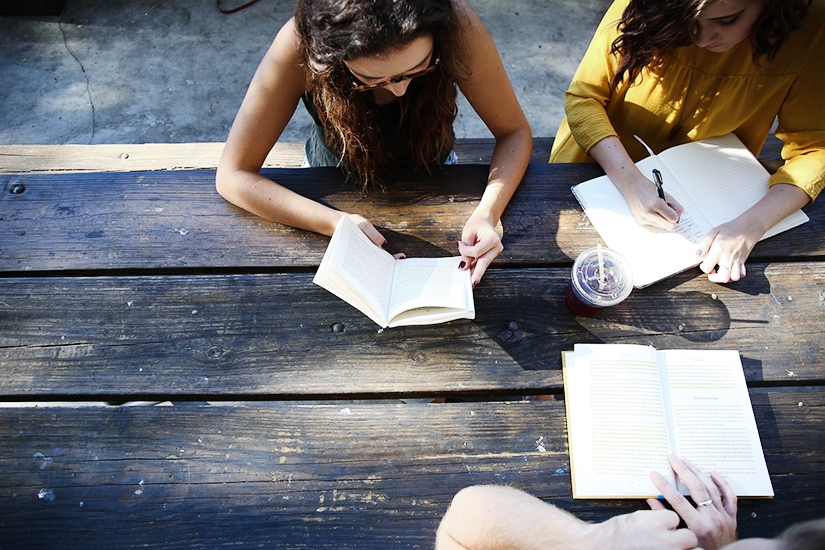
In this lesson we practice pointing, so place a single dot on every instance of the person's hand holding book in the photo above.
(479, 245)
(374, 235)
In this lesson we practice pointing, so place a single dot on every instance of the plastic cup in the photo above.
(590, 290)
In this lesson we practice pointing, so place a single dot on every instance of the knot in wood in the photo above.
(418, 358)
(511, 334)
(215, 352)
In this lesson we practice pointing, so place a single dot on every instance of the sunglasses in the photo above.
(356, 87)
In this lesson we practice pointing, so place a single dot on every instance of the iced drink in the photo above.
(601, 277)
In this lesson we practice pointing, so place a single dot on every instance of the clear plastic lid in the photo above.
(602, 283)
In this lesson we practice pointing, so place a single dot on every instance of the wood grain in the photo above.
(138, 157)
(146, 285)
(177, 220)
(270, 335)
(327, 476)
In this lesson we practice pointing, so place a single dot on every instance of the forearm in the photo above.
(265, 198)
(617, 164)
(781, 200)
(492, 517)
(507, 166)
(639, 192)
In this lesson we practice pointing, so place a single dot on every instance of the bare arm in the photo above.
(489, 91)
(269, 104)
(492, 517)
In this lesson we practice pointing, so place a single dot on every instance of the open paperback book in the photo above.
(411, 291)
(715, 180)
(630, 406)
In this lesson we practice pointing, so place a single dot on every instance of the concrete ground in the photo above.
(152, 71)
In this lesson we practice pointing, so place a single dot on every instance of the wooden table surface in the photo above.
(118, 288)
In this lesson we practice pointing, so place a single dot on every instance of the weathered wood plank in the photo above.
(131, 157)
(328, 476)
(269, 335)
(177, 220)
(139, 157)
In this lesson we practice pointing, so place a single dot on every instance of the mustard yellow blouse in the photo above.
(707, 94)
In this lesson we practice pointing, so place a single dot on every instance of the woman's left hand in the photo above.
(725, 250)
(727, 246)
(479, 245)
(713, 520)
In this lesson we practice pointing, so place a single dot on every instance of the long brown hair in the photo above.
(650, 28)
(333, 31)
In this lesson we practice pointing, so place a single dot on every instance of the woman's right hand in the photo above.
(639, 192)
(646, 205)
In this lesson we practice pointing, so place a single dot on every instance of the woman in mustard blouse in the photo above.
(684, 70)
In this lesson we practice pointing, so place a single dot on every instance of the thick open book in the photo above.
(715, 180)
(412, 291)
(630, 406)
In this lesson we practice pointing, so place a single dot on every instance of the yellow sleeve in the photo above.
(801, 127)
(591, 89)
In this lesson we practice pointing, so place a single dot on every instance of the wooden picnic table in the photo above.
(172, 378)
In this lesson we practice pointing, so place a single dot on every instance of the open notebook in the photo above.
(715, 180)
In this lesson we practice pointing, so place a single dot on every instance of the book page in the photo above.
(714, 425)
(357, 271)
(723, 178)
(428, 282)
(653, 254)
(430, 290)
(616, 421)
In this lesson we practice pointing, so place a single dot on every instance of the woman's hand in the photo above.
(639, 192)
(713, 520)
(726, 248)
(647, 207)
(479, 245)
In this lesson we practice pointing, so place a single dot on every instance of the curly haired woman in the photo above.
(380, 78)
(684, 70)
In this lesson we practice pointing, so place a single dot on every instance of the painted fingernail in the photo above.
(475, 283)
(385, 244)
(699, 252)
(462, 264)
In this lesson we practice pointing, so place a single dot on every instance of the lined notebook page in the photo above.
(715, 180)
(653, 254)
(723, 178)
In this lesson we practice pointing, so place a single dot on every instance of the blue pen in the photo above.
(657, 177)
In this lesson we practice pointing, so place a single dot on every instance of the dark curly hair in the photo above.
(333, 31)
(651, 28)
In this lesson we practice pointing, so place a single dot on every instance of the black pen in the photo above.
(657, 176)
